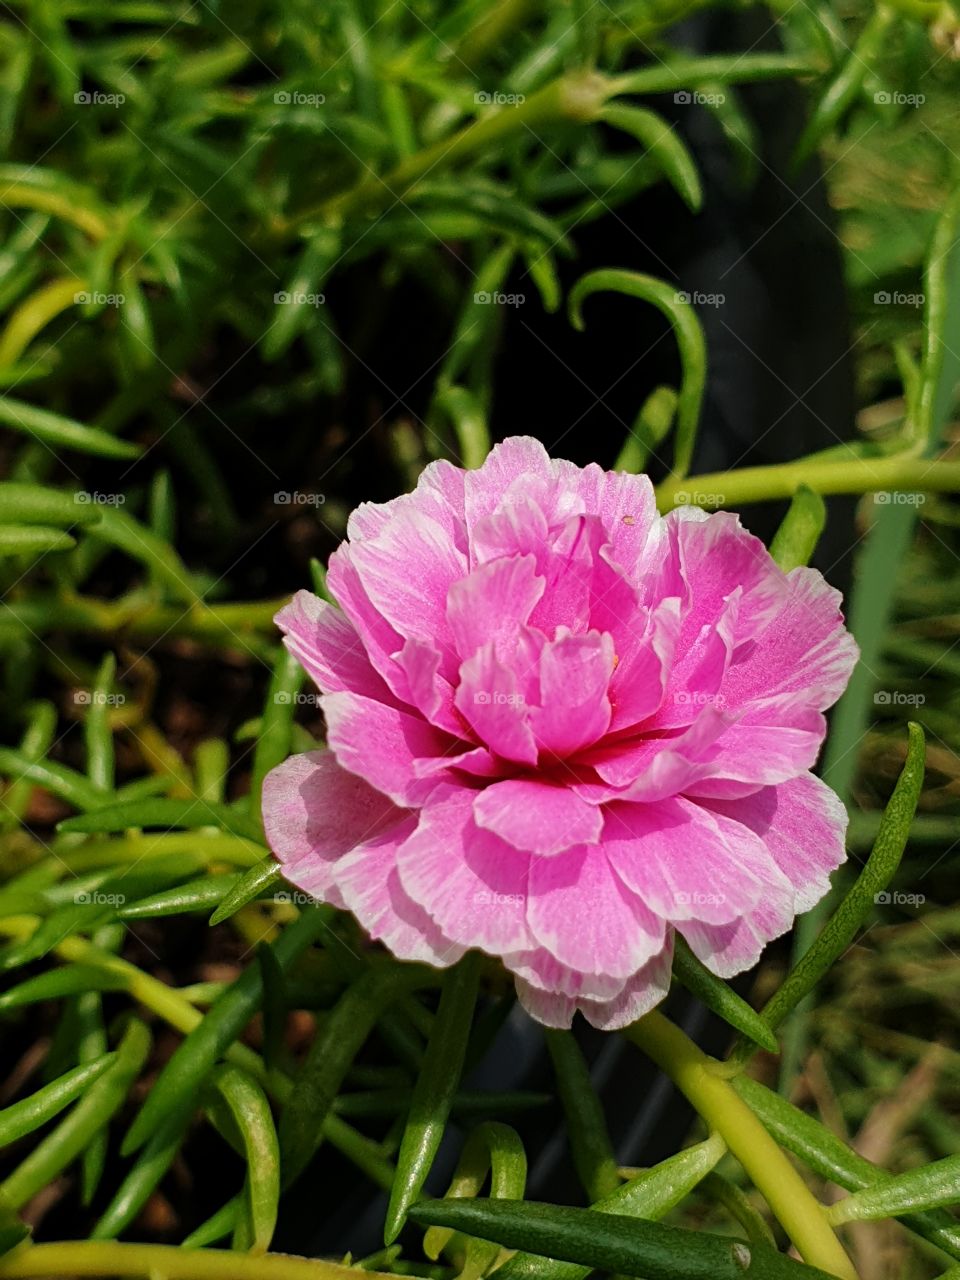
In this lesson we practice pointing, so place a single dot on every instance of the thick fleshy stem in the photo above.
(695, 1075)
(153, 1261)
(898, 473)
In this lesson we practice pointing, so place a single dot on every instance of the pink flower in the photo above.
(561, 729)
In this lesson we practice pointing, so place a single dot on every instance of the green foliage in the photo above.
(612, 1243)
(200, 195)
(434, 1091)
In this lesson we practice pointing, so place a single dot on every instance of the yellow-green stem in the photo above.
(25, 196)
(578, 96)
(899, 473)
(175, 1009)
(167, 1262)
(137, 615)
(694, 1074)
(155, 995)
(35, 313)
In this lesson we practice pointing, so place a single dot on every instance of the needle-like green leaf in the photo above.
(622, 1245)
(860, 900)
(433, 1093)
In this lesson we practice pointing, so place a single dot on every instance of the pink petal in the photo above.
(637, 996)
(518, 527)
(805, 651)
(492, 698)
(370, 886)
(430, 692)
(315, 812)
(772, 740)
(327, 646)
(538, 816)
(697, 673)
(485, 487)
(803, 824)
(613, 601)
(490, 604)
(660, 573)
(643, 992)
(407, 571)
(718, 556)
(639, 680)
(379, 638)
(625, 503)
(586, 917)
(655, 768)
(550, 1008)
(729, 949)
(439, 495)
(381, 744)
(477, 761)
(545, 972)
(471, 882)
(687, 863)
(574, 709)
(576, 578)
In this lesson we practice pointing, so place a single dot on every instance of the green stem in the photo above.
(137, 615)
(149, 1261)
(211, 849)
(164, 1001)
(579, 96)
(35, 313)
(763, 484)
(494, 27)
(25, 196)
(723, 1110)
(178, 1012)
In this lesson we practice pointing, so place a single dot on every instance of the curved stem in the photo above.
(23, 195)
(34, 313)
(152, 1261)
(179, 1012)
(137, 615)
(155, 995)
(762, 484)
(494, 26)
(578, 96)
(801, 1216)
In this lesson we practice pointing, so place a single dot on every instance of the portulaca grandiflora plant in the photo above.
(541, 741)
